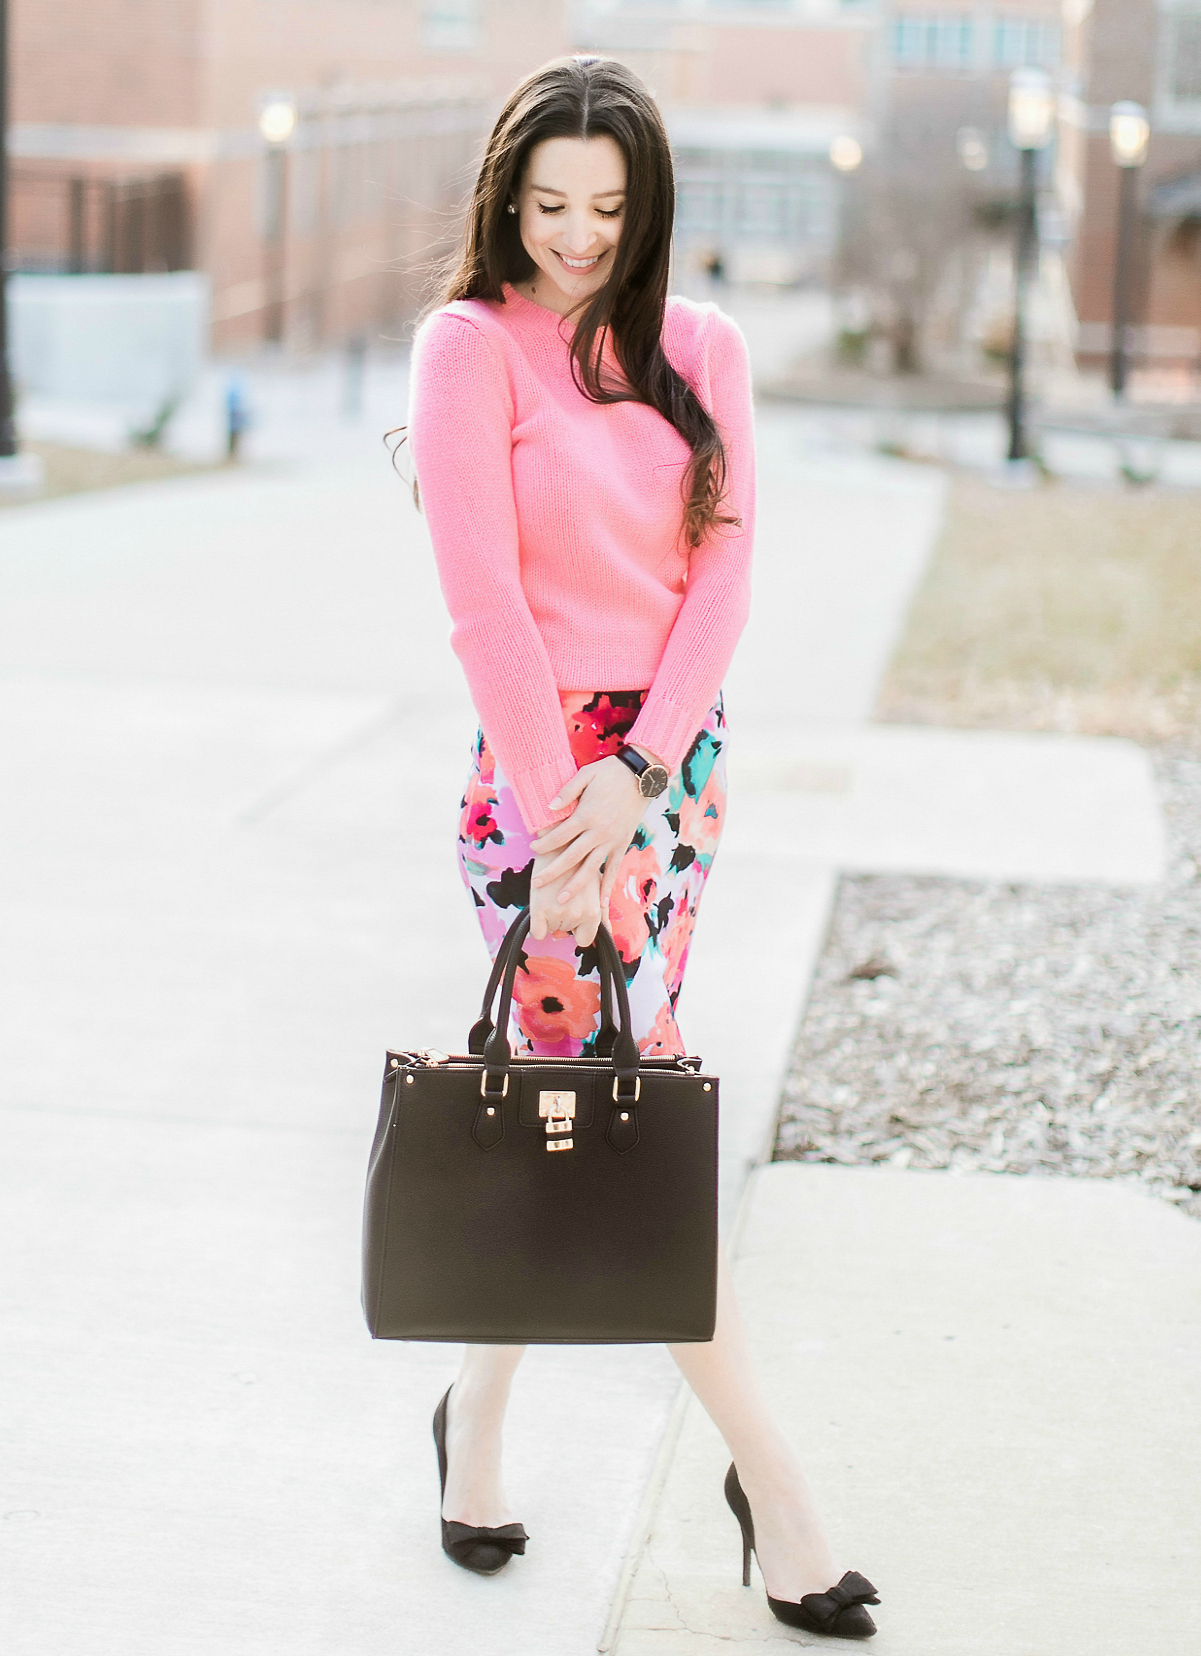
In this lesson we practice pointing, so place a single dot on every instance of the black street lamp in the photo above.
(1129, 136)
(1031, 122)
(8, 434)
(277, 122)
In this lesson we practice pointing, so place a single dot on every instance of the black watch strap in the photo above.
(630, 756)
(652, 778)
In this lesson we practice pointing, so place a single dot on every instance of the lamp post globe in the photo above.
(846, 153)
(277, 118)
(1129, 134)
(1032, 106)
(972, 147)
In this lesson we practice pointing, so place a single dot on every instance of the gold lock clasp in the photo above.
(557, 1109)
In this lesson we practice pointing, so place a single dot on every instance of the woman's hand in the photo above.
(590, 844)
(578, 917)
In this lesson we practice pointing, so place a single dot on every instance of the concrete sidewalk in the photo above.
(235, 744)
(996, 1384)
(235, 738)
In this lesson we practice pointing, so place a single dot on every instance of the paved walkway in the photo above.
(234, 739)
(996, 1384)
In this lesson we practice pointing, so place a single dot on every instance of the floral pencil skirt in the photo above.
(654, 902)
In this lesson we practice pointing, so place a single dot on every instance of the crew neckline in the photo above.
(530, 307)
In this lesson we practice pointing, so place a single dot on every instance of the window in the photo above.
(1025, 43)
(698, 207)
(450, 25)
(942, 42)
(1186, 59)
(755, 196)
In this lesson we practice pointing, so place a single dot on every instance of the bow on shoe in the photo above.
(828, 1606)
(461, 1540)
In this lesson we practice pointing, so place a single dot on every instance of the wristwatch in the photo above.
(652, 779)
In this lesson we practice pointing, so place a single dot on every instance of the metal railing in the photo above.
(72, 224)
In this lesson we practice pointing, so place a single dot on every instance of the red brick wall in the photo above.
(1119, 51)
(180, 63)
(107, 62)
(253, 45)
(786, 66)
(205, 65)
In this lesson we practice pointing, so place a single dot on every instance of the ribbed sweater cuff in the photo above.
(535, 788)
(666, 730)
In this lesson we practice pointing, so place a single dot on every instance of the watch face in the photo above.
(653, 781)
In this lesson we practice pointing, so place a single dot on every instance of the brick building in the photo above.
(136, 144)
(754, 94)
(949, 67)
(1148, 51)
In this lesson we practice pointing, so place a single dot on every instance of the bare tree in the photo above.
(914, 209)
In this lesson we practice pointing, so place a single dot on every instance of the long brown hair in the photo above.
(589, 97)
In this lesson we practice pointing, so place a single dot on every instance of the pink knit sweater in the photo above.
(557, 526)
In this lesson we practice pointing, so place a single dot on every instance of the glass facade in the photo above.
(941, 41)
(1020, 43)
(1186, 59)
(951, 41)
(726, 196)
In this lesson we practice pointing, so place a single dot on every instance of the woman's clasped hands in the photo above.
(577, 860)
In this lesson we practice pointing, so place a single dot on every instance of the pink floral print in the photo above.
(653, 908)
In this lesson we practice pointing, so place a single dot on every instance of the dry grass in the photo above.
(1070, 607)
(74, 470)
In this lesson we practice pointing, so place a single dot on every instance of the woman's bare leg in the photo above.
(790, 1542)
(475, 1417)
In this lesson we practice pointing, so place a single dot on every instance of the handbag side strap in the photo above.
(490, 1040)
(607, 1034)
(497, 1055)
(481, 1030)
(625, 1055)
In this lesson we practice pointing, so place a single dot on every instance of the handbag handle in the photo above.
(606, 1036)
(497, 1054)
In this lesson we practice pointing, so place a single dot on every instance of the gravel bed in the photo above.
(1012, 1028)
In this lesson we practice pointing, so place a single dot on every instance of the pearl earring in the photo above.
(510, 208)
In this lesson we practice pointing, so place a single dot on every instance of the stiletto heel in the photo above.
(838, 1612)
(480, 1549)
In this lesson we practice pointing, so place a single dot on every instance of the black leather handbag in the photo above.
(543, 1200)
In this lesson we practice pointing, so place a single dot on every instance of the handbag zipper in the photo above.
(431, 1058)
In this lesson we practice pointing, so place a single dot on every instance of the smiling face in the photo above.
(570, 203)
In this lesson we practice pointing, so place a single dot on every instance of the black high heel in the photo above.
(483, 1550)
(838, 1612)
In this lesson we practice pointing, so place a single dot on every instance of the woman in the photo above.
(583, 451)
